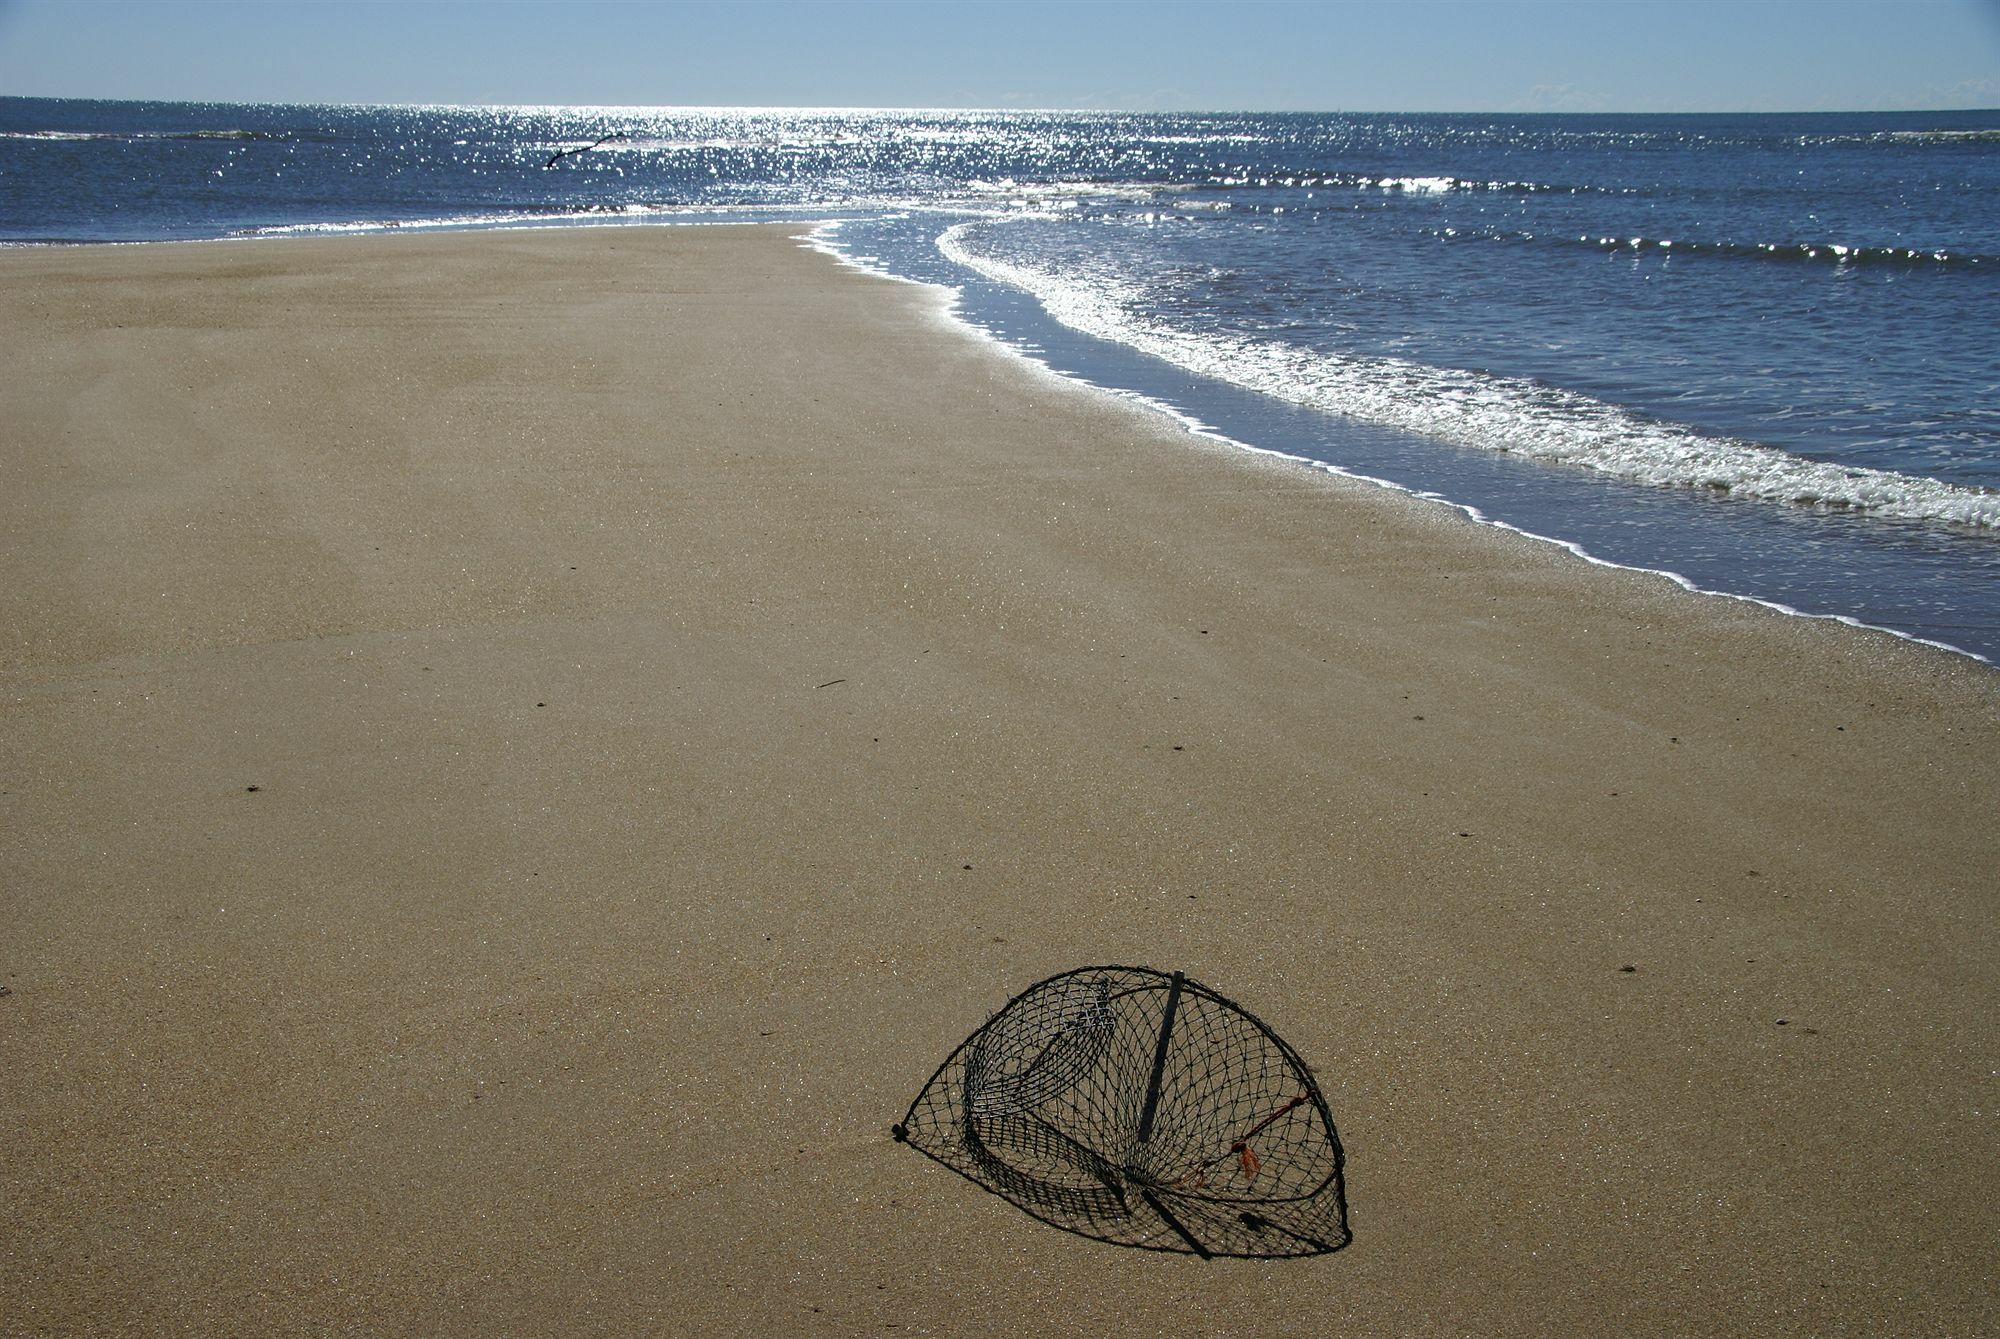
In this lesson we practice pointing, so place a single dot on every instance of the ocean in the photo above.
(1759, 353)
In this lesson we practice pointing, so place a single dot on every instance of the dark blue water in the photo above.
(1759, 352)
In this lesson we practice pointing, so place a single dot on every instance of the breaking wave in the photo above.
(1829, 253)
(1495, 413)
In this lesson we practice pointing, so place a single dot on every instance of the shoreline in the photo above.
(1747, 556)
(530, 745)
(814, 238)
(1196, 428)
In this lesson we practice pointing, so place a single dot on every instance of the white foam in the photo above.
(1420, 185)
(1492, 413)
(950, 300)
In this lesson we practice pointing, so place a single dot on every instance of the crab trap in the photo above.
(1143, 1109)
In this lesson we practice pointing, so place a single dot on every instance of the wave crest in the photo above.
(1826, 253)
(1500, 414)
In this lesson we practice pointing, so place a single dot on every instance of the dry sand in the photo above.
(523, 750)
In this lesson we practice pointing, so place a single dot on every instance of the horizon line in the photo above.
(916, 109)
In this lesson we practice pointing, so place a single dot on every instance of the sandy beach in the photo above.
(524, 750)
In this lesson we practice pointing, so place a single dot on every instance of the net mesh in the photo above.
(1144, 1109)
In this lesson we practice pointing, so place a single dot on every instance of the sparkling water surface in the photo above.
(1759, 352)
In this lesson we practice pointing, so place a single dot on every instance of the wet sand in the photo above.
(524, 750)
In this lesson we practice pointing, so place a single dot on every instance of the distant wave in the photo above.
(528, 216)
(135, 136)
(491, 219)
(1407, 185)
(1987, 136)
(1068, 194)
(1500, 414)
(1833, 253)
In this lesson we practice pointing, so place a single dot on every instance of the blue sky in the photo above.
(1325, 55)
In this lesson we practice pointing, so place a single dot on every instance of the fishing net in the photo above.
(1142, 1109)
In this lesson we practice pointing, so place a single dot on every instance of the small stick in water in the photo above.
(561, 154)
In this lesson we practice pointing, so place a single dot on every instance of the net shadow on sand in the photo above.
(1143, 1109)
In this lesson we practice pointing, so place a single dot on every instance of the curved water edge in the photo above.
(1494, 413)
(829, 239)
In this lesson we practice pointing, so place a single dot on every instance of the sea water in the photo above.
(1761, 353)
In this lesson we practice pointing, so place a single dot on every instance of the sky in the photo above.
(1148, 55)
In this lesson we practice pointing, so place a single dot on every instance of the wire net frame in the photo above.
(1140, 1108)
